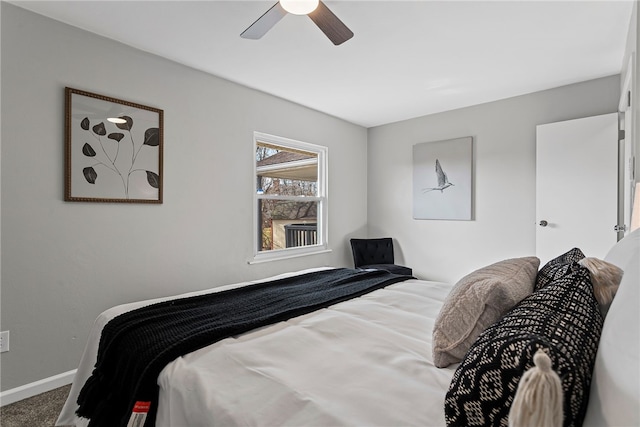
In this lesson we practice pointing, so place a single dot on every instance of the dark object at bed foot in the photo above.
(376, 254)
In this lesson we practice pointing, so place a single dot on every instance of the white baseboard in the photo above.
(37, 387)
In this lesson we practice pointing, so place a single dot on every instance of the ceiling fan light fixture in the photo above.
(327, 21)
(299, 7)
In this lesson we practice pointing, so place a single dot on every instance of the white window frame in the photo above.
(321, 198)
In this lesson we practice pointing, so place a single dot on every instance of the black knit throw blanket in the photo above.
(137, 345)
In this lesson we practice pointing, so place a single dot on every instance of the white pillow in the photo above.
(625, 251)
(615, 388)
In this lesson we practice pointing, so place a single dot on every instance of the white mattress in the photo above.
(365, 361)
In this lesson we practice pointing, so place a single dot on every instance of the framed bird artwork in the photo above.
(442, 179)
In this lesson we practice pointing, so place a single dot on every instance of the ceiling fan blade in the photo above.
(330, 24)
(264, 23)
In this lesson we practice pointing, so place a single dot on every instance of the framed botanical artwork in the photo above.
(113, 149)
(442, 179)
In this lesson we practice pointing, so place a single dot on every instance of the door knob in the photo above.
(543, 223)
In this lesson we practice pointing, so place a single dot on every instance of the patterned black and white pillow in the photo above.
(557, 268)
(563, 319)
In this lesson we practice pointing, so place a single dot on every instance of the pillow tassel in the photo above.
(538, 399)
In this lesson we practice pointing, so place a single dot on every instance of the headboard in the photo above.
(615, 388)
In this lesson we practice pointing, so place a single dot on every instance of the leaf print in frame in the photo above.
(113, 149)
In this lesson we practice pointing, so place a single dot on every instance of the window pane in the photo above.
(286, 172)
(290, 196)
(287, 224)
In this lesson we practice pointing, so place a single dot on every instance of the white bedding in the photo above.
(365, 361)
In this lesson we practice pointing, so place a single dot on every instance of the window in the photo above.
(290, 198)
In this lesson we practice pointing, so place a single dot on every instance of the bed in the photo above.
(365, 361)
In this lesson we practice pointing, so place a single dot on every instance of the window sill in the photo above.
(284, 254)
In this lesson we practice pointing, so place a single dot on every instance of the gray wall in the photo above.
(504, 177)
(63, 263)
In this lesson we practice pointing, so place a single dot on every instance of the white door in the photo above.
(577, 186)
(626, 154)
(627, 163)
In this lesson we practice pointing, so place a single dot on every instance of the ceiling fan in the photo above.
(319, 13)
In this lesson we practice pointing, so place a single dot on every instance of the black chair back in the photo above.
(372, 251)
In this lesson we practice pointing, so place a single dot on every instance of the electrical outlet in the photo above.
(4, 341)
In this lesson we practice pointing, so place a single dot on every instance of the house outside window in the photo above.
(290, 198)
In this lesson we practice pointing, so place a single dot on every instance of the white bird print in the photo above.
(443, 181)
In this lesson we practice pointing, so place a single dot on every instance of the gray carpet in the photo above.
(37, 411)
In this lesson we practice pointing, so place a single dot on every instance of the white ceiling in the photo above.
(407, 58)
